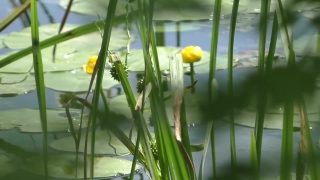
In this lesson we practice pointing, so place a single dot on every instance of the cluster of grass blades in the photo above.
(168, 154)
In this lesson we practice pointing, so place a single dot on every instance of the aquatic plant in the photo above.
(166, 154)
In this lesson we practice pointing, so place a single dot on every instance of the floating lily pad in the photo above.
(16, 83)
(5, 166)
(95, 8)
(163, 11)
(28, 120)
(221, 63)
(65, 60)
(89, 42)
(75, 81)
(136, 61)
(64, 166)
(119, 105)
(105, 143)
(271, 121)
(311, 102)
(2, 36)
(172, 27)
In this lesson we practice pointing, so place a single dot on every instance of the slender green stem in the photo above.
(287, 141)
(192, 77)
(213, 153)
(101, 64)
(135, 157)
(230, 86)
(41, 91)
(262, 96)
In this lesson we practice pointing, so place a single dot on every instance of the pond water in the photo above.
(24, 141)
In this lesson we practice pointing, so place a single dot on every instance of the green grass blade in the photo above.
(213, 153)
(170, 155)
(139, 120)
(273, 43)
(287, 132)
(230, 85)
(287, 142)
(101, 64)
(214, 45)
(212, 83)
(262, 96)
(286, 33)
(254, 156)
(206, 145)
(38, 71)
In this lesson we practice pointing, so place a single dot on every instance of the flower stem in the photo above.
(192, 77)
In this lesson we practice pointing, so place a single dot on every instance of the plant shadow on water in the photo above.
(282, 83)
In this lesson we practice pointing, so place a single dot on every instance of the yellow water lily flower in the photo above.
(89, 67)
(191, 54)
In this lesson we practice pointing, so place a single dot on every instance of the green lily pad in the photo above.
(65, 60)
(136, 61)
(95, 8)
(105, 143)
(5, 166)
(163, 11)
(271, 121)
(221, 63)
(16, 84)
(311, 102)
(89, 42)
(2, 36)
(28, 120)
(119, 105)
(172, 27)
(64, 166)
(75, 81)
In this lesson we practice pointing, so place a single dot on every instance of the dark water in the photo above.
(19, 145)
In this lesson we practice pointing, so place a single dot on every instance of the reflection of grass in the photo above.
(174, 160)
(66, 97)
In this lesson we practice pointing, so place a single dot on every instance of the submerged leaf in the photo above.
(75, 81)
(28, 120)
(64, 166)
(5, 166)
(16, 84)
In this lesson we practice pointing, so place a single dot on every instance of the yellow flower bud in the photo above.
(89, 67)
(191, 54)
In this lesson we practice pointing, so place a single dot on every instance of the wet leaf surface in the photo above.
(64, 166)
(16, 84)
(28, 120)
(75, 81)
